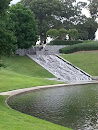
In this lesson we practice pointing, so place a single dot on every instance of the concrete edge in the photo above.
(38, 88)
(19, 91)
(14, 92)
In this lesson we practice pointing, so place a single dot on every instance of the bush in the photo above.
(80, 47)
(61, 42)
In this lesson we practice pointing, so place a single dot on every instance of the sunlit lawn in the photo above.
(87, 61)
(22, 72)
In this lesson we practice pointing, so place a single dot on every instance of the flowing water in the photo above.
(75, 107)
(60, 68)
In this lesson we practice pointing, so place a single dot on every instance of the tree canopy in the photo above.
(55, 14)
(87, 30)
(25, 27)
(73, 34)
(93, 8)
(62, 33)
(45, 12)
(7, 38)
(53, 33)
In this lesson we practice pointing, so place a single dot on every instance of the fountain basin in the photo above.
(75, 107)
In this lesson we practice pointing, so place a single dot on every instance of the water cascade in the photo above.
(61, 68)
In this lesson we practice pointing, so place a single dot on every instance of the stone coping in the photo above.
(19, 91)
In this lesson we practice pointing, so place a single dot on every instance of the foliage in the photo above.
(55, 14)
(93, 8)
(62, 42)
(62, 33)
(4, 4)
(87, 30)
(91, 27)
(82, 34)
(25, 28)
(73, 34)
(7, 38)
(45, 13)
(53, 33)
(72, 13)
(80, 47)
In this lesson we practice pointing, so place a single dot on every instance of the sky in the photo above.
(84, 11)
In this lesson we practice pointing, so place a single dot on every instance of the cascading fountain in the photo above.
(61, 68)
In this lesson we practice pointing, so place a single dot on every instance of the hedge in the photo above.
(80, 47)
(61, 42)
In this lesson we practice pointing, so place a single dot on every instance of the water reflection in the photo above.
(75, 107)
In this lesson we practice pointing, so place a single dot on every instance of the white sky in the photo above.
(84, 11)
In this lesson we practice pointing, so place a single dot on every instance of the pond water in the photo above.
(75, 107)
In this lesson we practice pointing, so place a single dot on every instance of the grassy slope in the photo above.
(14, 120)
(22, 72)
(87, 61)
(25, 66)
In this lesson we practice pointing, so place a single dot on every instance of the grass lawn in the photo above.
(22, 72)
(14, 120)
(87, 61)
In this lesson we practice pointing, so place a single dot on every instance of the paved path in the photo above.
(14, 92)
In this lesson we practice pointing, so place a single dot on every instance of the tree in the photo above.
(55, 14)
(93, 8)
(87, 30)
(62, 33)
(4, 4)
(53, 33)
(7, 38)
(72, 13)
(25, 27)
(82, 34)
(91, 26)
(46, 13)
(73, 33)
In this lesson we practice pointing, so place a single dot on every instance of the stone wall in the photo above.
(53, 49)
(22, 52)
(46, 50)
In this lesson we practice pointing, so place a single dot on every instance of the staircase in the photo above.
(61, 68)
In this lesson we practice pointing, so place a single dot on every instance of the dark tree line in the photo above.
(57, 14)
(18, 28)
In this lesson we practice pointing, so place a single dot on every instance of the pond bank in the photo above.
(14, 92)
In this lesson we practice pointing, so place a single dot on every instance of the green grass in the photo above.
(12, 81)
(22, 72)
(25, 66)
(87, 61)
(14, 120)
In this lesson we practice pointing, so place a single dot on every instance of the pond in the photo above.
(75, 107)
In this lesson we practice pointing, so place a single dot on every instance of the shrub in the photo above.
(62, 42)
(53, 33)
(80, 47)
(73, 34)
(62, 33)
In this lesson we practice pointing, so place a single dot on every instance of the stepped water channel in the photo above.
(61, 68)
